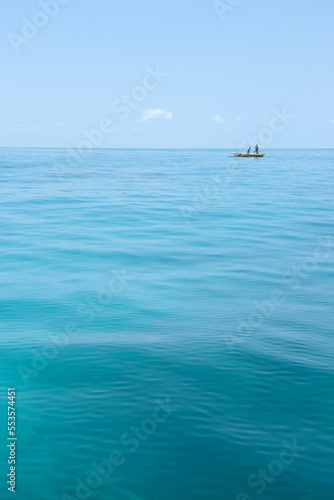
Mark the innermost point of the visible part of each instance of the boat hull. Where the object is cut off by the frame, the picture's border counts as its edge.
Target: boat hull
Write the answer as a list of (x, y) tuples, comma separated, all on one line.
[(244, 155)]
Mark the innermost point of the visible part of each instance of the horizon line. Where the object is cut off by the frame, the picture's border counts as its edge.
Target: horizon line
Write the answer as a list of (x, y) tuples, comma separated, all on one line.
[(148, 148)]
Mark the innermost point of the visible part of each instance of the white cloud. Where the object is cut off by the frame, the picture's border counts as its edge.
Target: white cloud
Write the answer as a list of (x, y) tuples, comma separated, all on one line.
[(27, 128), (237, 118), (36, 127), (331, 120), (148, 114), (217, 119)]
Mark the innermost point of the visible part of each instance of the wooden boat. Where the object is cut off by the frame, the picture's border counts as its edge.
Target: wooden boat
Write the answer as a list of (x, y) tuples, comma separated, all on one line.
[(245, 155)]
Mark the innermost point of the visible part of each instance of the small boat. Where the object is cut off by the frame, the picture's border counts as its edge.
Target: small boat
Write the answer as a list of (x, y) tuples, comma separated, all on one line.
[(245, 155)]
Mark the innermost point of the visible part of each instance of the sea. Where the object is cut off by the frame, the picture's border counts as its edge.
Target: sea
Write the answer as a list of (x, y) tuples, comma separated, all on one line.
[(167, 324)]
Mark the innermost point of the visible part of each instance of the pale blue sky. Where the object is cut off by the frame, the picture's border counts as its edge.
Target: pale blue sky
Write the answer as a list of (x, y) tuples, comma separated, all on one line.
[(238, 67)]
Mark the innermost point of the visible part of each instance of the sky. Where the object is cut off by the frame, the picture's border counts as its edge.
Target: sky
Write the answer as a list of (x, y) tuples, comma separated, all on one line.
[(167, 73)]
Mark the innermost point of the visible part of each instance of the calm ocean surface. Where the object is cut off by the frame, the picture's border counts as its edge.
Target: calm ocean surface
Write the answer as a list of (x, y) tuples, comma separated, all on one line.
[(167, 321)]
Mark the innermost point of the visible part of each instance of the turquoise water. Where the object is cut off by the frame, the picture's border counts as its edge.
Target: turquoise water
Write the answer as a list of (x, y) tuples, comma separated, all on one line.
[(167, 321)]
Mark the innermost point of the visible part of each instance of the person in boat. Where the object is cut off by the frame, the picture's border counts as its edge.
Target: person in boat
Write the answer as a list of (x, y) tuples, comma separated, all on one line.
[(248, 150), (256, 150)]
